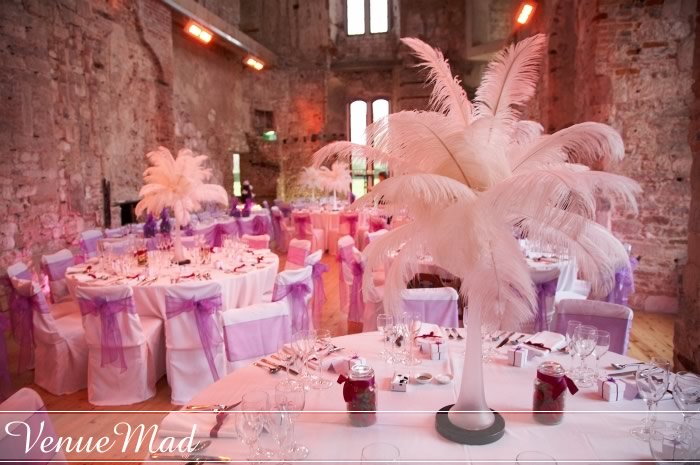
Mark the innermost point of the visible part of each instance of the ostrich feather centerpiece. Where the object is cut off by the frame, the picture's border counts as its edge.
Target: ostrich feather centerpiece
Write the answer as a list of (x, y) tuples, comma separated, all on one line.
[(177, 183), (336, 179), (475, 177), (311, 178)]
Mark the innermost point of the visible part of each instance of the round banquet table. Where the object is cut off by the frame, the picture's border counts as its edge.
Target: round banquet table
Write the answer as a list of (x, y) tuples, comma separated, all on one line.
[(592, 430), (250, 285)]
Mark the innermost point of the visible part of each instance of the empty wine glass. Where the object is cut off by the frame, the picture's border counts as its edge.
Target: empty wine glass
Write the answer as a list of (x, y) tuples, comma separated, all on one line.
[(249, 421), (672, 442), (384, 321), (304, 345), (412, 323), (379, 452), (286, 356), (290, 395), (601, 348), (278, 422), (570, 328), (652, 383), (322, 344), (686, 394), (533, 457), (585, 339)]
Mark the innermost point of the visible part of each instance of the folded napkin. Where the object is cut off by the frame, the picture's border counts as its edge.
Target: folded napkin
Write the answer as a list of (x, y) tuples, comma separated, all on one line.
[(179, 424), (339, 364), (546, 341), (76, 269)]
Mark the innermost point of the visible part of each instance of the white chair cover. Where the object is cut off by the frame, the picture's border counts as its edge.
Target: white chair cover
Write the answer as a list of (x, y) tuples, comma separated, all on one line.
[(438, 305), (54, 266), (187, 365), (60, 350), (545, 282), (117, 232), (318, 289), (257, 242), (89, 242), (281, 231), (352, 295), (114, 246), (19, 270), (616, 319), (142, 344), (26, 406), (297, 253), (302, 228)]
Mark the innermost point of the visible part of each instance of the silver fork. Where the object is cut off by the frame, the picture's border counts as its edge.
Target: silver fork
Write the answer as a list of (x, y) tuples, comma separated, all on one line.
[(272, 370)]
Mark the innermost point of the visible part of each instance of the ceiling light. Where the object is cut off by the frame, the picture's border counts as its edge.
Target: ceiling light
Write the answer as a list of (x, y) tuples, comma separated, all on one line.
[(525, 12), (195, 30), (254, 62)]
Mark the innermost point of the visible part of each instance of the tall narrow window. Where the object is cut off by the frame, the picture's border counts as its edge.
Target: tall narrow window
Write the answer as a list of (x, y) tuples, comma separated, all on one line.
[(360, 14), (356, 17), (380, 109), (378, 16), (364, 175), (236, 174)]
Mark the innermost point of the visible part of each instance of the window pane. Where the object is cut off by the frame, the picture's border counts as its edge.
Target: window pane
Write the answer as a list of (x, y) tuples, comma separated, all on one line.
[(378, 16), (236, 174), (356, 17), (359, 186), (380, 108), (358, 121)]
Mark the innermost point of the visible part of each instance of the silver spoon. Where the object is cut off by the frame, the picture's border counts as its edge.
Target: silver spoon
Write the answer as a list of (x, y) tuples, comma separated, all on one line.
[(620, 366)]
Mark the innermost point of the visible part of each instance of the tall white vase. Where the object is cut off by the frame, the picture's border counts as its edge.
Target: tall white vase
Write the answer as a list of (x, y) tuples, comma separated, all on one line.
[(179, 256), (335, 201), (471, 393)]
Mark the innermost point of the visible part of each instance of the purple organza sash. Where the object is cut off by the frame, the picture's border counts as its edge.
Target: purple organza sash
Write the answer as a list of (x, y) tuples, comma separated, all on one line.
[(297, 255), (204, 310), (624, 283), (221, 229), (112, 344), (277, 227), (299, 310), (165, 221), (150, 228), (351, 222), (544, 291), (5, 382), (259, 225), (248, 203), (376, 224), (302, 224), (57, 270), (234, 204), (319, 291), (22, 308)]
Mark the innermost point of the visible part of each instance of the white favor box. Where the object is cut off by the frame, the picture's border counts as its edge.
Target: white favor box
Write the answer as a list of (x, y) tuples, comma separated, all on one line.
[(518, 356), (611, 389), (400, 382)]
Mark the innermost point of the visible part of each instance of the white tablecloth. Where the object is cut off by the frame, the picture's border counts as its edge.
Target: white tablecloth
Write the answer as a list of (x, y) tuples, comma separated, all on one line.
[(592, 430), (251, 285)]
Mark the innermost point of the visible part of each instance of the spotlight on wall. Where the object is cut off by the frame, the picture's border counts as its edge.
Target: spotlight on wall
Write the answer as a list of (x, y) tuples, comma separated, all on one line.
[(527, 8), (196, 30), (254, 62)]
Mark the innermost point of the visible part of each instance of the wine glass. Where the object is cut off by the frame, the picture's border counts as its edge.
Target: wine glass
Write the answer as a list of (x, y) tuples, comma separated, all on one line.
[(379, 452), (672, 442), (291, 396), (278, 422), (321, 345), (393, 333), (686, 394), (303, 346), (601, 348), (249, 421), (286, 356), (585, 339), (384, 321), (571, 326), (533, 457), (652, 383), (411, 322)]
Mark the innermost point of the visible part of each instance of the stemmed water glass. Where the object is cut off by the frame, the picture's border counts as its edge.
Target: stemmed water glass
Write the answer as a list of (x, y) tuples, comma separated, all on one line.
[(322, 344), (411, 321), (304, 342), (384, 324), (585, 339), (278, 422), (570, 328), (686, 394), (291, 396), (601, 348), (652, 383), (286, 356), (380, 452), (249, 422)]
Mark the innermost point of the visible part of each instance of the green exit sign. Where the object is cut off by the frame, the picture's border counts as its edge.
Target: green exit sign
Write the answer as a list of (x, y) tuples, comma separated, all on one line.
[(269, 136)]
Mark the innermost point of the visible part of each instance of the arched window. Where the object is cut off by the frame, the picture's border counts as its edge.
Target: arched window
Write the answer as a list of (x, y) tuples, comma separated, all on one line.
[(361, 114), (360, 13)]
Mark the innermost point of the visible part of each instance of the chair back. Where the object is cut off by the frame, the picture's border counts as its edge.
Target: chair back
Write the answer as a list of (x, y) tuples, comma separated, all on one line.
[(613, 318), (546, 288), (438, 306), (88, 242), (117, 232), (257, 242), (303, 228), (32, 313), (297, 253), (348, 223), (351, 274), (296, 287), (372, 236), (19, 270), (25, 406), (376, 223), (55, 266), (114, 246), (110, 321)]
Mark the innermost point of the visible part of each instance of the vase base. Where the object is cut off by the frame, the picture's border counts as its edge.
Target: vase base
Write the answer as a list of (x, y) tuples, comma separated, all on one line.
[(183, 262), (465, 436)]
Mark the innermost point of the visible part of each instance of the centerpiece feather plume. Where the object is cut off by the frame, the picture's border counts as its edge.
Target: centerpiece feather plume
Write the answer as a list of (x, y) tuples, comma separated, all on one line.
[(336, 179), (311, 178), (179, 184), (474, 178)]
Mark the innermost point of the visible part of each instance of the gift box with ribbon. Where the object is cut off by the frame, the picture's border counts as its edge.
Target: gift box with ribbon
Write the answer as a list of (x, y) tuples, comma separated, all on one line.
[(611, 389), (518, 356), (432, 345)]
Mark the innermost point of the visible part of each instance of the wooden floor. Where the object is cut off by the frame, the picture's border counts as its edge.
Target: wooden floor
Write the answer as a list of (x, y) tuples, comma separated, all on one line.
[(652, 335)]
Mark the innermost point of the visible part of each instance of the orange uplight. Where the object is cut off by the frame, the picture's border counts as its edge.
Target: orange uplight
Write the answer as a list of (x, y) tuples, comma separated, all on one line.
[(254, 62), (525, 12), (195, 30)]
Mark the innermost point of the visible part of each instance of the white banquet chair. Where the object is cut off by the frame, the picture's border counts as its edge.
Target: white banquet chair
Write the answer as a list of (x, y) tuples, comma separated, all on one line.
[(302, 227), (569, 286), (280, 230), (259, 329), (60, 350), (55, 266), (545, 281), (352, 296), (319, 292), (121, 231), (123, 366), (297, 252), (256, 242), (27, 407), (616, 319), (436, 305), (195, 354), (88, 242)]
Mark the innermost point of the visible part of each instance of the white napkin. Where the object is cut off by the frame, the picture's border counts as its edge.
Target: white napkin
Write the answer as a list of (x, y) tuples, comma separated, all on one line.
[(76, 269), (179, 424), (548, 339)]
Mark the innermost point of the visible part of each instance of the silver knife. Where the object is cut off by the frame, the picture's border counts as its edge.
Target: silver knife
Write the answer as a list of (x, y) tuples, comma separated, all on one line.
[(623, 373), (189, 458)]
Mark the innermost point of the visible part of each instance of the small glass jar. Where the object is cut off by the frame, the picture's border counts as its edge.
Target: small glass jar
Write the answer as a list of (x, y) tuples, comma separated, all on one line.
[(361, 396), (549, 398)]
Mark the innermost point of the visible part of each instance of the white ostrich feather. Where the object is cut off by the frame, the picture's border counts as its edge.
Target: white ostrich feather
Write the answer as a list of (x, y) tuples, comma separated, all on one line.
[(525, 132), (448, 95), (346, 151), (337, 178), (510, 80), (310, 177), (177, 184)]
